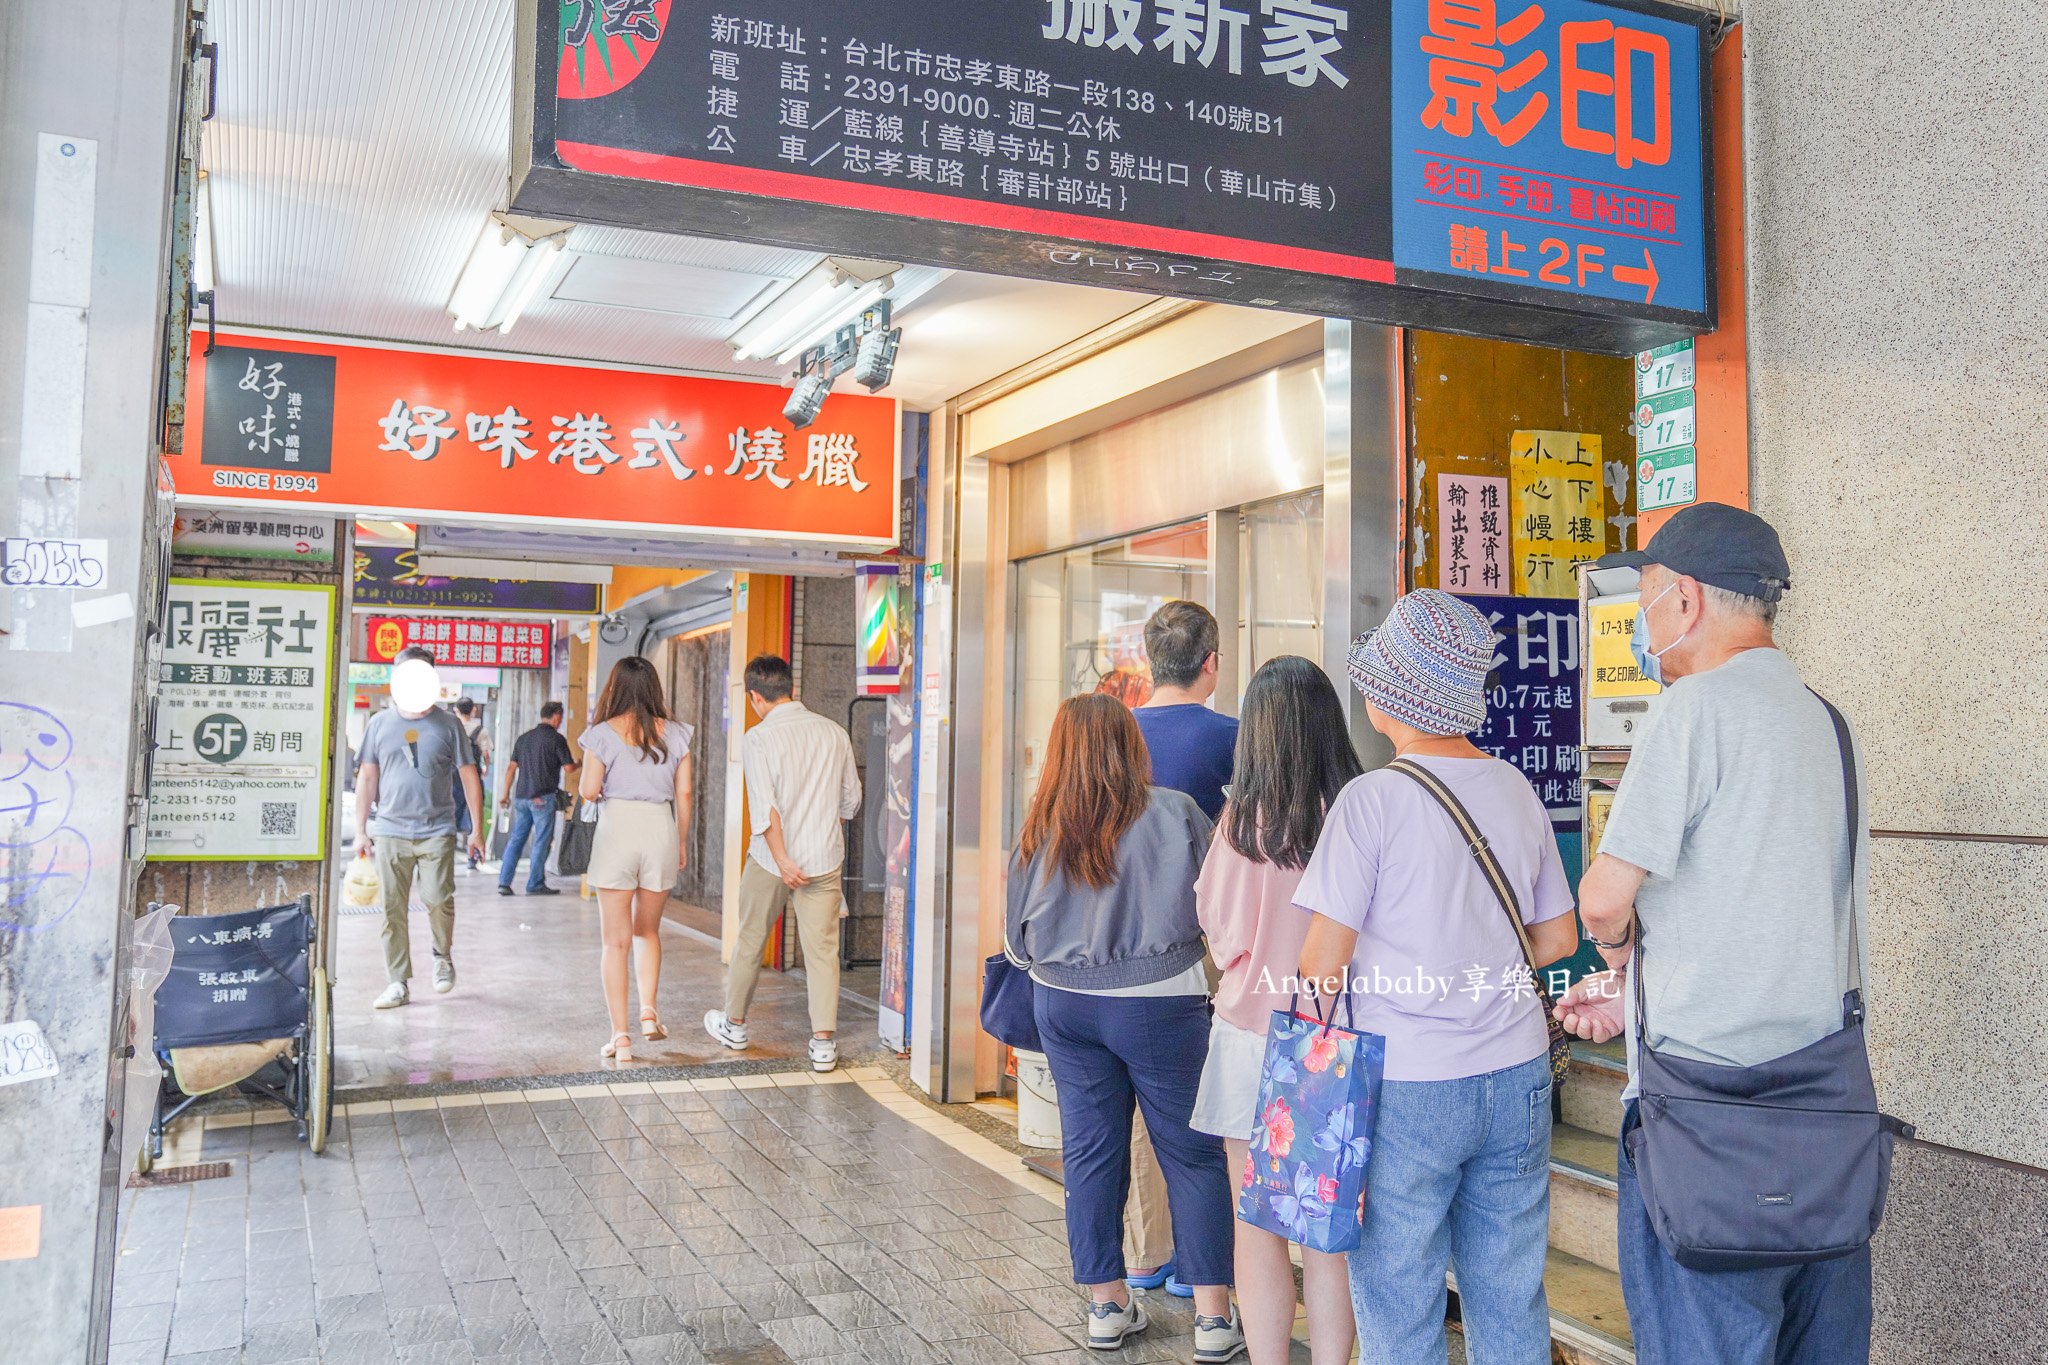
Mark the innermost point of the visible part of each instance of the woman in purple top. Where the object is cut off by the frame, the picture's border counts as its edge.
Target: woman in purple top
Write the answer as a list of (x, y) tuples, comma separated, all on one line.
[(636, 766), (1459, 1174)]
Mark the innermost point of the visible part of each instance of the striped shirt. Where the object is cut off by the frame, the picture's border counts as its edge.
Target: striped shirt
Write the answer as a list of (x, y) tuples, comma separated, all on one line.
[(799, 763)]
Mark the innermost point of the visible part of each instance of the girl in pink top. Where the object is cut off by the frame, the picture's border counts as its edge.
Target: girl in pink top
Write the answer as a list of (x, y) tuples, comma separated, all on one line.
[(1294, 756)]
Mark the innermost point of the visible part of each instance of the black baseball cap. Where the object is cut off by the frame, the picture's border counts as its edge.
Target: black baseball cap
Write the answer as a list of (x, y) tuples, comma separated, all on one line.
[(1718, 544)]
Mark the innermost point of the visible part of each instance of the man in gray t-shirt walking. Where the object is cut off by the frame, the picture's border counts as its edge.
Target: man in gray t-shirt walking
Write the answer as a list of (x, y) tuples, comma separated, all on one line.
[(405, 818), (1728, 850)]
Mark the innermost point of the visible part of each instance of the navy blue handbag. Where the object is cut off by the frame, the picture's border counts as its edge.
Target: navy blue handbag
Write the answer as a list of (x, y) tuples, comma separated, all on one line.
[(1007, 996)]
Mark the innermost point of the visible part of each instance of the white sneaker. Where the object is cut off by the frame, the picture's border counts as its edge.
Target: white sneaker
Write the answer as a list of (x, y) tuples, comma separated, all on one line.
[(395, 994), (444, 974), (1109, 1324), (1218, 1339), (824, 1054), (725, 1030)]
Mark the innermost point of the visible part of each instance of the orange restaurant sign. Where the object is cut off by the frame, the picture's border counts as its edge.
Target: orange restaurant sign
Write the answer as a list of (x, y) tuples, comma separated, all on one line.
[(439, 437)]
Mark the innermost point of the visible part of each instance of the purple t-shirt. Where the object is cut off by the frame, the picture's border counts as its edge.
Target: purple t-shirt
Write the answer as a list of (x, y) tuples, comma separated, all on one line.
[(1439, 970)]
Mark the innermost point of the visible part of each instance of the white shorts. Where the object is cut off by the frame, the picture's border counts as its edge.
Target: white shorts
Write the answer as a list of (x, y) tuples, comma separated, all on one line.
[(636, 847), (1227, 1104)]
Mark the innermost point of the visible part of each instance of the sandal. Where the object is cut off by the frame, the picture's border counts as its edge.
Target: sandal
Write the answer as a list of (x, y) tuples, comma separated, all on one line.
[(651, 1027), (620, 1048)]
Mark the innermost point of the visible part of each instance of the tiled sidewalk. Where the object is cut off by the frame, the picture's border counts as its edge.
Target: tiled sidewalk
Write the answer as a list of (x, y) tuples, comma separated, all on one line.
[(745, 1221)]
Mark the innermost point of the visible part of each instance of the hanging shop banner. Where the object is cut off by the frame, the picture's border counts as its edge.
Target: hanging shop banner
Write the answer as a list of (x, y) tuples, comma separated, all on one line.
[(1534, 173), (240, 768), (1559, 506), (221, 534), (470, 438), (476, 644), (386, 576), (1532, 713)]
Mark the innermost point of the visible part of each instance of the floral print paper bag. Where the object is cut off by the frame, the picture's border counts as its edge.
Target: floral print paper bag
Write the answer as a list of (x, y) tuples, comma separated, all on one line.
[(1318, 1094)]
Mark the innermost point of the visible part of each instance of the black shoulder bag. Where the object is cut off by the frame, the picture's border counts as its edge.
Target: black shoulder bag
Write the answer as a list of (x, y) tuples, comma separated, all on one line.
[(1783, 1163), (1504, 892)]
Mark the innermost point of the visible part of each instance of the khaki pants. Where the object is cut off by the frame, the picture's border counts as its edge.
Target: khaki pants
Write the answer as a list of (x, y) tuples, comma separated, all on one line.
[(762, 898), (399, 862), (1148, 1225)]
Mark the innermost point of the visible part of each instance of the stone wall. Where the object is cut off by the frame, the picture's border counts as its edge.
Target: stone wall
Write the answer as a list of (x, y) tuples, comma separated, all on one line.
[(1896, 381)]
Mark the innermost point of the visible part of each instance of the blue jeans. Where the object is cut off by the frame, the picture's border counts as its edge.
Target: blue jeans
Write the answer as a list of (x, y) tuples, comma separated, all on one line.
[(1815, 1314), (1107, 1053), (1459, 1176), (531, 815)]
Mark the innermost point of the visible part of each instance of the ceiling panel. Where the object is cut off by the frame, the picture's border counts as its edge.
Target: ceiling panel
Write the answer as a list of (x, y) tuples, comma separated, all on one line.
[(359, 147), (622, 282)]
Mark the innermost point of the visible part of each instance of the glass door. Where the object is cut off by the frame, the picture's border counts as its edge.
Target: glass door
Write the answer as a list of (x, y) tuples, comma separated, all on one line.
[(1281, 554), (1080, 627)]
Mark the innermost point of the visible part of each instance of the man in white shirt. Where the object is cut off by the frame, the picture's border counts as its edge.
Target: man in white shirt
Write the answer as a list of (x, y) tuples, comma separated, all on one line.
[(801, 782)]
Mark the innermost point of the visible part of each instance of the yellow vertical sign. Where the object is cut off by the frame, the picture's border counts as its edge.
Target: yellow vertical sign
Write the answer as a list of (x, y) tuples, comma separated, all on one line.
[(1559, 509)]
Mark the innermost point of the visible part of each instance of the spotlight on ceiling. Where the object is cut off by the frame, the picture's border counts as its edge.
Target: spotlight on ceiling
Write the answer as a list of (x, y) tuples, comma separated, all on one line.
[(814, 305), (806, 399), (874, 364), (506, 268), (866, 346)]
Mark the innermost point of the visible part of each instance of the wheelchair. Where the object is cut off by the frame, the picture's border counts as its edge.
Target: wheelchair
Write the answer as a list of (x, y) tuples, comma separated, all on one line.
[(250, 977)]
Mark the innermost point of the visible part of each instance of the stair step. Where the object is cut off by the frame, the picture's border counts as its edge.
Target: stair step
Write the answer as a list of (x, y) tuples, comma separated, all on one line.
[(1591, 1098), (1583, 1154), (1582, 1223), (1611, 1055), (1588, 1320)]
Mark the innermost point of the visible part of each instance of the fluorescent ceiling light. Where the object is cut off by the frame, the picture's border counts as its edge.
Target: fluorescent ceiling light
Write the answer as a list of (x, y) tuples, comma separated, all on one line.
[(821, 296), (840, 315), (506, 267), (519, 570)]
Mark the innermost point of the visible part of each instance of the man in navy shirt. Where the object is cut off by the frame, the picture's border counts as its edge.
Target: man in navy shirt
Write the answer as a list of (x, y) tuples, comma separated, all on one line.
[(1192, 749), (1192, 746)]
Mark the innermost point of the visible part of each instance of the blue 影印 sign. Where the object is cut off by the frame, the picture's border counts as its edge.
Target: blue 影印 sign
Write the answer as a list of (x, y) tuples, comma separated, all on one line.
[(1552, 147)]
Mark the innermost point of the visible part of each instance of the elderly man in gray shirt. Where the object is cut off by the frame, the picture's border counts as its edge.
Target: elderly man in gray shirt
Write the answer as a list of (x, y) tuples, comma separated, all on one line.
[(1728, 850), (405, 819)]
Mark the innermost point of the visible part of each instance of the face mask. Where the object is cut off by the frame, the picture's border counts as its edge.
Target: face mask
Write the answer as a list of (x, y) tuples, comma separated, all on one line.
[(1648, 660)]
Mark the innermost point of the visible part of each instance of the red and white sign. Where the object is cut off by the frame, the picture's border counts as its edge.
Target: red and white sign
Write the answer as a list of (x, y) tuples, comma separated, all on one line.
[(478, 644), (287, 423)]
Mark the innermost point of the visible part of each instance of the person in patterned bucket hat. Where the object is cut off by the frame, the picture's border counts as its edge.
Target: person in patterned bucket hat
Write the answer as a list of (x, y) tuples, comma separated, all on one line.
[(1427, 663), (1404, 918)]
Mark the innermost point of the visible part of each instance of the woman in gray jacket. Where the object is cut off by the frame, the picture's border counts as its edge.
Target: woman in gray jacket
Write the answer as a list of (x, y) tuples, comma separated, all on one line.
[(1102, 913)]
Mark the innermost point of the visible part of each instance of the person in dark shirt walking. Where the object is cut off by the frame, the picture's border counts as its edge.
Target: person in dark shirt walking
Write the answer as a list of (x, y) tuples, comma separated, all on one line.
[(532, 778)]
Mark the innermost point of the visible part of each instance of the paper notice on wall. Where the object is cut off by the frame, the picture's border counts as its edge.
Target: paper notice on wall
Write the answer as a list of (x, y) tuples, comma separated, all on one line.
[(21, 1232), (25, 1054), (1472, 533), (1559, 510)]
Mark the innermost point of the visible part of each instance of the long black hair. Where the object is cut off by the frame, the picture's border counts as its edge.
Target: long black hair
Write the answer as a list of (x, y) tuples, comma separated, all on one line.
[(1294, 755)]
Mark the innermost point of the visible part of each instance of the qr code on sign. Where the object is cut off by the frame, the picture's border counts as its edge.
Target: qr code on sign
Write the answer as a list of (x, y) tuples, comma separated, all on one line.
[(281, 819)]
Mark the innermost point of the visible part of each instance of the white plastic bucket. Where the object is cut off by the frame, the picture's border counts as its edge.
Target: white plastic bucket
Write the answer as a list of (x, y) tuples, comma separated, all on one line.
[(1038, 1103)]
